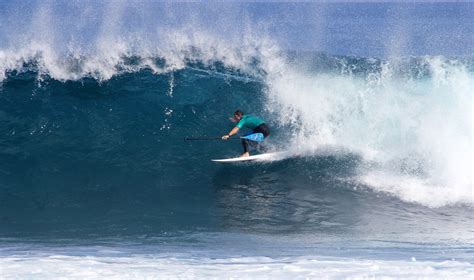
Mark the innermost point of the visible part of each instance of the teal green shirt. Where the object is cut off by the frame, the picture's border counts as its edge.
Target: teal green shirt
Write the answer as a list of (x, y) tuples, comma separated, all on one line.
[(249, 121)]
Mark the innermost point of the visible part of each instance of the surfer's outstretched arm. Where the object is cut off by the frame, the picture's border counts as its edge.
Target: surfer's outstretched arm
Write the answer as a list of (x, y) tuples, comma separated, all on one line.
[(232, 132)]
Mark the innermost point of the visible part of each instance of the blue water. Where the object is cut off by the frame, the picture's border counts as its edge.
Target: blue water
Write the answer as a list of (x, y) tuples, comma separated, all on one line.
[(373, 101)]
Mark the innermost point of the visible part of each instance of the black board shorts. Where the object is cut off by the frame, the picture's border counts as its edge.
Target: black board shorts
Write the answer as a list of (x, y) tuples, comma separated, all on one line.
[(263, 128)]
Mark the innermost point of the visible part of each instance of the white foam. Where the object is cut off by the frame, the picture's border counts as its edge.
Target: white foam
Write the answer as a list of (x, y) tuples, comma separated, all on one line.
[(415, 133), (168, 267), (107, 57)]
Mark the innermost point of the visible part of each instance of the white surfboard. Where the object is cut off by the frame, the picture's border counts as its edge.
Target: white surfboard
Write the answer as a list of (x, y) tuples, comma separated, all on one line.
[(262, 157)]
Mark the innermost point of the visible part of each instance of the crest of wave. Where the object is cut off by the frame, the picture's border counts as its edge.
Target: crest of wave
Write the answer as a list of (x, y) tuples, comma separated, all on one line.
[(169, 50)]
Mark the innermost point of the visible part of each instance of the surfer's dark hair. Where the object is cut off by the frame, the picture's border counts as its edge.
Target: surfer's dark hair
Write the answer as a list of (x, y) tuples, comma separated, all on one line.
[(239, 113)]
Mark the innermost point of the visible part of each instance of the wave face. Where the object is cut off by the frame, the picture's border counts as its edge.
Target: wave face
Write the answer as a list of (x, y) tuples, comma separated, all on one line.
[(93, 121), (84, 151)]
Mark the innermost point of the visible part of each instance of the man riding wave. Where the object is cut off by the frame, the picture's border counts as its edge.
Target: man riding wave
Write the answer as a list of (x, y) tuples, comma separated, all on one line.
[(260, 130)]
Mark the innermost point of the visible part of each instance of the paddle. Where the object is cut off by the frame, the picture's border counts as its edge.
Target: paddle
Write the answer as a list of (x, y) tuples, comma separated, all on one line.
[(257, 137), (206, 138)]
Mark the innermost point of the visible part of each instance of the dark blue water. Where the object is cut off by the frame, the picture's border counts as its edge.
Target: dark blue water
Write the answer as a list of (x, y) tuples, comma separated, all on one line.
[(373, 100), (83, 159), (87, 159)]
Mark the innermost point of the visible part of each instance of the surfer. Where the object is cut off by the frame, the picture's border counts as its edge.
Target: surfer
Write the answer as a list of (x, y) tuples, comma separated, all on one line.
[(259, 129)]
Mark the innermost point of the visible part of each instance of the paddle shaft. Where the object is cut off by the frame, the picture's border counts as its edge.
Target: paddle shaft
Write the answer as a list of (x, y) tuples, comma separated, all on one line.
[(206, 138)]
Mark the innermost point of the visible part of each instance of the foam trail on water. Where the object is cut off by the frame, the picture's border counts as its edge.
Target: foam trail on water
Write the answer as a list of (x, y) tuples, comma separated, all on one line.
[(142, 266)]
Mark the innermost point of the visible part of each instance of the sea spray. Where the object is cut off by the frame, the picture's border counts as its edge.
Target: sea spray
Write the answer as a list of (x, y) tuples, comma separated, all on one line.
[(410, 120)]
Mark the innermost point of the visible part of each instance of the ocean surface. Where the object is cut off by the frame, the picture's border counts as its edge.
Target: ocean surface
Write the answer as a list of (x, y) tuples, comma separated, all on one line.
[(372, 101)]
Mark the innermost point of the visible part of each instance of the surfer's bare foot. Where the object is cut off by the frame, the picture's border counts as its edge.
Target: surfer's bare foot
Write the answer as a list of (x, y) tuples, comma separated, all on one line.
[(245, 155)]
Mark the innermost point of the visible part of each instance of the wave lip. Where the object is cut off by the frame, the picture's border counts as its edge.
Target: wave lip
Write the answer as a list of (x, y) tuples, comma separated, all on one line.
[(111, 56)]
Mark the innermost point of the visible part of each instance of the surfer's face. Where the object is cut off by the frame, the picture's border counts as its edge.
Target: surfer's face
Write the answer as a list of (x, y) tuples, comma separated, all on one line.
[(236, 118)]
